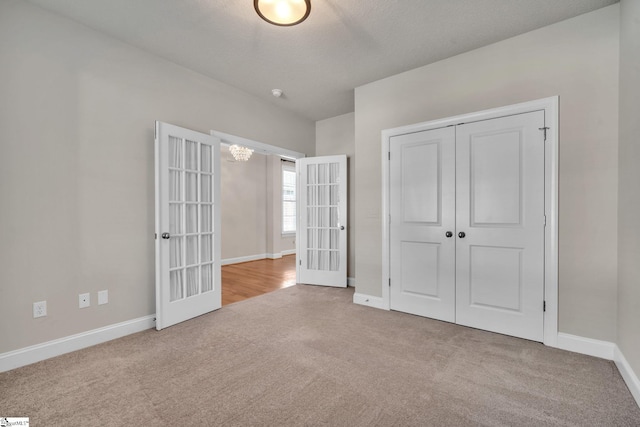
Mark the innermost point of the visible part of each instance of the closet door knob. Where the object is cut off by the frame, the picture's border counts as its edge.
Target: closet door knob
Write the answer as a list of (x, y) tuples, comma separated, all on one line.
[(448, 234), (166, 236), (461, 234)]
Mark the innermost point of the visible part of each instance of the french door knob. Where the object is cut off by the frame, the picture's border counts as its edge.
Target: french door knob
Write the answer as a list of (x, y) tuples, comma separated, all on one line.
[(166, 235), (342, 227), (448, 234), (461, 234)]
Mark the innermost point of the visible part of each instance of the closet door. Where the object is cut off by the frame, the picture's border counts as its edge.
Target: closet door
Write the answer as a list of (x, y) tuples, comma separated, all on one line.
[(500, 225), (422, 223)]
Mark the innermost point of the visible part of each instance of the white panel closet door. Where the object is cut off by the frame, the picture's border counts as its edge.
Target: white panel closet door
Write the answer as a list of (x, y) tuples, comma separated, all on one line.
[(481, 183), (500, 225), (322, 229), (187, 224), (422, 264)]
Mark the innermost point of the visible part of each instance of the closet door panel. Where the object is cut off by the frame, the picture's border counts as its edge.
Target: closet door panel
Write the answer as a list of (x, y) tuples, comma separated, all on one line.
[(422, 179), (500, 211)]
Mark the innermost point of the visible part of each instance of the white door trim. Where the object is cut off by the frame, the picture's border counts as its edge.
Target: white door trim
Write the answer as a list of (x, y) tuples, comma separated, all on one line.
[(550, 108)]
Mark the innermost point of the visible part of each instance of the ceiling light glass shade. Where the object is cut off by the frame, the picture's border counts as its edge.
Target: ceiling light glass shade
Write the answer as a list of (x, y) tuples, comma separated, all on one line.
[(283, 12), (241, 154)]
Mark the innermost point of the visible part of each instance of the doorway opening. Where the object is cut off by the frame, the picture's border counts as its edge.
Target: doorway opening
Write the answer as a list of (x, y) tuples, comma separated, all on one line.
[(257, 242)]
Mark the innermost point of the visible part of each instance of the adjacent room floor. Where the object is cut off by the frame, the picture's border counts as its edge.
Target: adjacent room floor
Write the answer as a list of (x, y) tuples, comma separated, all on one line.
[(253, 278)]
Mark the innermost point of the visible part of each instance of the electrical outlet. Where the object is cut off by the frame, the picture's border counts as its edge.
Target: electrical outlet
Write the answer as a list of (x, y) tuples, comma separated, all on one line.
[(39, 309), (84, 300), (103, 297)]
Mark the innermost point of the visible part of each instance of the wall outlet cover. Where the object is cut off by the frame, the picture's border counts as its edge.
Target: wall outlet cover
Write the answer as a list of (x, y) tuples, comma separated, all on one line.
[(84, 300), (39, 309)]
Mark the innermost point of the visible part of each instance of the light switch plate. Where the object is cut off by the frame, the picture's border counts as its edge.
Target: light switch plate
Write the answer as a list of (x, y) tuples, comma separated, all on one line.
[(103, 297)]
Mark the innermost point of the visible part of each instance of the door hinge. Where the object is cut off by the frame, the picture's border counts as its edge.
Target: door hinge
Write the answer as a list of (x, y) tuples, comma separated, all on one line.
[(544, 129), (389, 281), (544, 306), (155, 236), (300, 262), (544, 219), (389, 155)]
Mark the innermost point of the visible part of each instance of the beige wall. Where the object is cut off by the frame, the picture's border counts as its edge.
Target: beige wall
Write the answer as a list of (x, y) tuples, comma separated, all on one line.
[(629, 185), (243, 193), (337, 136), (251, 200), (77, 112), (576, 59)]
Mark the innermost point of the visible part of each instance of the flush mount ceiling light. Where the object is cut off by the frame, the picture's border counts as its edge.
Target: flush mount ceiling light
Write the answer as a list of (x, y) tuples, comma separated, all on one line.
[(241, 154), (283, 12)]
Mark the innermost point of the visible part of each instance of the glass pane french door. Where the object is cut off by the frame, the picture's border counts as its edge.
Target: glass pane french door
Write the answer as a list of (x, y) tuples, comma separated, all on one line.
[(322, 236), (190, 218), (188, 282)]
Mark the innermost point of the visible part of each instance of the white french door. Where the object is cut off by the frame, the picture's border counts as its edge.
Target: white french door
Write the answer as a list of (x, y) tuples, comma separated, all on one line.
[(467, 224), (187, 224), (321, 237)]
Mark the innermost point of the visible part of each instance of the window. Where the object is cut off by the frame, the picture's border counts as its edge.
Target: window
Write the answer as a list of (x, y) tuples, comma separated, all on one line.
[(288, 199)]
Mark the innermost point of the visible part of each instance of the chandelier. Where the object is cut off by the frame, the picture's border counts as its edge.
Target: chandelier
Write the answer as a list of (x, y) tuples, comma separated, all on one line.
[(283, 13), (241, 154)]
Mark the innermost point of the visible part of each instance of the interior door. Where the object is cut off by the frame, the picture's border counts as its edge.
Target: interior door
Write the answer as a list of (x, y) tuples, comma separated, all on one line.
[(321, 236), (422, 264), (187, 224), (500, 225)]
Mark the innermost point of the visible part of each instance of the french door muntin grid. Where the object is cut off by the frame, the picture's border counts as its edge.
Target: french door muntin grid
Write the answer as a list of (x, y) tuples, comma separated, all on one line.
[(323, 227), (190, 218)]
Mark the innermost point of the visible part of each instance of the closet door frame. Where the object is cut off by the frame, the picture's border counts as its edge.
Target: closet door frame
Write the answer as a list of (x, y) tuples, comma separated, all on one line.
[(550, 108)]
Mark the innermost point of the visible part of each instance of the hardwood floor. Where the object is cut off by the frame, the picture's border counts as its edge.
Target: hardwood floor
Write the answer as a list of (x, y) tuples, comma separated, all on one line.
[(253, 278)]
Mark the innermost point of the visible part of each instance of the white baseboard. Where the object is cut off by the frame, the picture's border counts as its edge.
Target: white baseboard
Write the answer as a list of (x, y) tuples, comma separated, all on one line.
[(369, 301), (36, 353), (605, 350), (351, 282), (248, 258), (243, 259), (629, 376), (588, 346)]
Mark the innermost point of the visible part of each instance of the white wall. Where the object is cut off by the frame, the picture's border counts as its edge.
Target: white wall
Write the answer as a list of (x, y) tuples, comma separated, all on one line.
[(337, 136), (576, 59), (77, 112), (629, 185)]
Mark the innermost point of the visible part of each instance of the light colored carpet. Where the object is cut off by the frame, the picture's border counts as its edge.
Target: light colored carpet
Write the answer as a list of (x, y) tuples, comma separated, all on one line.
[(308, 356)]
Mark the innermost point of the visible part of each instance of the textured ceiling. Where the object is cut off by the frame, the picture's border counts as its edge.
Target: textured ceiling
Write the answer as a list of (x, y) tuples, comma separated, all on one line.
[(342, 45)]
